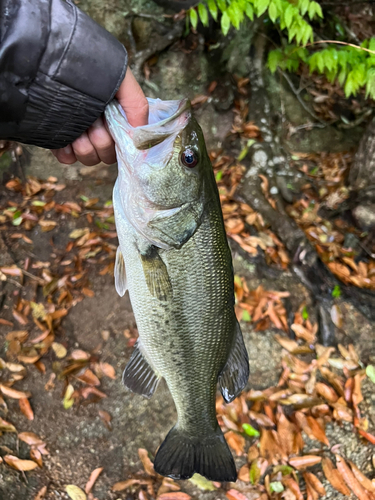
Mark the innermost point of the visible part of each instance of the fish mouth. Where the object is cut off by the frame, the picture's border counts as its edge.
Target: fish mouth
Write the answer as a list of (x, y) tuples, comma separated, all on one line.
[(166, 118)]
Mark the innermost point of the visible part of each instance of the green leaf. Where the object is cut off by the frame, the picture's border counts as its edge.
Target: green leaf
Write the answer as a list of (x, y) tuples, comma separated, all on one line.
[(250, 431), (222, 5), (38, 203), (276, 487), (370, 372), (219, 176), (203, 14), (225, 23), (274, 57), (272, 12), (305, 314), (289, 15), (193, 18), (249, 11), (262, 6), (202, 483), (254, 472), (17, 221), (68, 401), (318, 9), (212, 8), (243, 153), (303, 6), (336, 292), (246, 317)]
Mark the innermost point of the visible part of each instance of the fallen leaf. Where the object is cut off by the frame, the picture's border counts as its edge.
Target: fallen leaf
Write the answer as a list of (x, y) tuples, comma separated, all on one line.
[(235, 495), (75, 492), (93, 477), (88, 377), (106, 418), (30, 438), (315, 483), (326, 392), (350, 479), (108, 370), (317, 430), (365, 481), (13, 393), (47, 225), (124, 485), (26, 409), (68, 401), (174, 495), (41, 493), (336, 316), (59, 350), (304, 461), (18, 464), (235, 441), (6, 426), (343, 363), (146, 462), (202, 483)]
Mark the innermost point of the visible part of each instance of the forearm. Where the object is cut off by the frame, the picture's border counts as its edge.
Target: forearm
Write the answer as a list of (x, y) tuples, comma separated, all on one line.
[(58, 70)]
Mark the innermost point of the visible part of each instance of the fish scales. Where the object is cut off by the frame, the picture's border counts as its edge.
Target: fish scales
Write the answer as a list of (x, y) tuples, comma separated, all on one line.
[(182, 295)]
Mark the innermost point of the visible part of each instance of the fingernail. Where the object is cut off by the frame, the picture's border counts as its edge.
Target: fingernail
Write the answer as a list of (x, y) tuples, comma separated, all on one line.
[(68, 150)]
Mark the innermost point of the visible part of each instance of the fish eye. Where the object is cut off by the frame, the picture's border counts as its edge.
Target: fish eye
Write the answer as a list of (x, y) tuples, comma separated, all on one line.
[(189, 158)]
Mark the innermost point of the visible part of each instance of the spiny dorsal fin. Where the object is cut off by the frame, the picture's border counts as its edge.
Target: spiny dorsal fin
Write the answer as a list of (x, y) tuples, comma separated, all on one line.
[(156, 275), (139, 376), (120, 274), (235, 373)]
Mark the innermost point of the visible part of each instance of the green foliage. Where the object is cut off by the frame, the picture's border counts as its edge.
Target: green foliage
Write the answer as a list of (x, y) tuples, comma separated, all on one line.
[(352, 67), (294, 18), (336, 292)]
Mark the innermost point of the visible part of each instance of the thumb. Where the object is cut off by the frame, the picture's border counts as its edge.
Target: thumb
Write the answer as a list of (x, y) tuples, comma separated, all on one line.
[(132, 100)]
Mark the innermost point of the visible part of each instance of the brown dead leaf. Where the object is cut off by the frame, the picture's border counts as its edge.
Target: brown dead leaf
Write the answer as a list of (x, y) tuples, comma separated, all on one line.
[(174, 495), (303, 333), (106, 418), (146, 462), (301, 463), (47, 225), (41, 493), (365, 481), (30, 438), (124, 485), (6, 426), (26, 409), (13, 393), (36, 456), (107, 370), (315, 483), (350, 479), (88, 377), (293, 486), (236, 442), (18, 464), (93, 477), (326, 392), (235, 495)]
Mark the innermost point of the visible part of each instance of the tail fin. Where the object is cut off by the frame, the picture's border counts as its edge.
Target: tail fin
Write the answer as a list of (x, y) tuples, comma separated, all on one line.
[(180, 456)]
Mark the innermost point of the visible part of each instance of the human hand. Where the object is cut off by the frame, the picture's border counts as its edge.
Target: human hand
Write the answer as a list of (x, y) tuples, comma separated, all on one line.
[(96, 144)]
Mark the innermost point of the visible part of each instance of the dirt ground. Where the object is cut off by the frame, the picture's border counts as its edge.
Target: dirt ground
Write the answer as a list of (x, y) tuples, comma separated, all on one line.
[(77, 439)]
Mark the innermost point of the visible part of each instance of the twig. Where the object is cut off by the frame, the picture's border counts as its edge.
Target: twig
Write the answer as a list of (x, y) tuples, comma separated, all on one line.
[(341, 43), (300, 100), (40, 280)]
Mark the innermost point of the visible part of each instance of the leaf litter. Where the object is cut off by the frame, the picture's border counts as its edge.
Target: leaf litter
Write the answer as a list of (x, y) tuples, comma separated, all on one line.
[(267, 429)]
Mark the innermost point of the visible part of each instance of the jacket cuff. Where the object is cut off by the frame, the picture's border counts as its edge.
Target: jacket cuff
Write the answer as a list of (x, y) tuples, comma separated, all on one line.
[(79, 73)]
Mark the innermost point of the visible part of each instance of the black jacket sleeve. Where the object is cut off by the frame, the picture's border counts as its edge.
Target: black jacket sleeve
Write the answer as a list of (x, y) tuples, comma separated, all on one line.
[(58, 71)]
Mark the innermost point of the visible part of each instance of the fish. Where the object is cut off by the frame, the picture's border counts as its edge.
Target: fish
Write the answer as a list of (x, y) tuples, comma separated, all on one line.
[(174, 259)]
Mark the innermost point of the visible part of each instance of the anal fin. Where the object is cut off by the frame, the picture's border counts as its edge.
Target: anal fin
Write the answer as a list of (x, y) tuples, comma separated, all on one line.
[(139, 376), (120, 273), (235, 373), (156, 274)]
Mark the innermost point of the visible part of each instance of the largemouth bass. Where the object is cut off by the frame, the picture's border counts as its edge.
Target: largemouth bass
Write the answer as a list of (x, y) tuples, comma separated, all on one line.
[(174, 259)]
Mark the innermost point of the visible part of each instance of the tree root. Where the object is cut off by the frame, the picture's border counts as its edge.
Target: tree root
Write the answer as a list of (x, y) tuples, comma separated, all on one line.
[(268, 158)]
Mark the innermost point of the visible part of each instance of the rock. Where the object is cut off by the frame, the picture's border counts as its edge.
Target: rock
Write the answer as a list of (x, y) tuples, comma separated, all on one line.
[(365, 216)]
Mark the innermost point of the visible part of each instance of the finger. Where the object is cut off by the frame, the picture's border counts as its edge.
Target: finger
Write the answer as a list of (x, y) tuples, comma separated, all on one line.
[(85, 151), (133, 100), (65, 155), (102, 142)]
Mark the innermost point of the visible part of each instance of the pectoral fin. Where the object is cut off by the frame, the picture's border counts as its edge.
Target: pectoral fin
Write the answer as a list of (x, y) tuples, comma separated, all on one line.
[(139, 376), (120, 274), (235, 374), (156, 274)]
